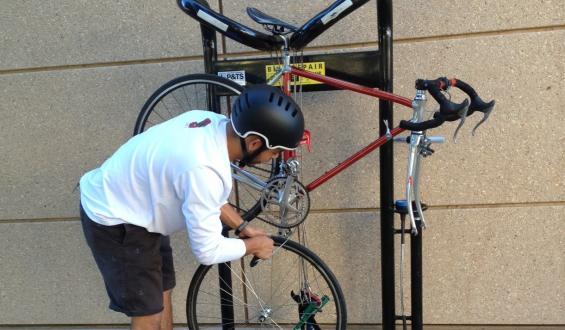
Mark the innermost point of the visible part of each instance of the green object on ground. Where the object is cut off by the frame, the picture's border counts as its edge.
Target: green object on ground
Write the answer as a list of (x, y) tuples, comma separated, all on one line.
[(310, 311)]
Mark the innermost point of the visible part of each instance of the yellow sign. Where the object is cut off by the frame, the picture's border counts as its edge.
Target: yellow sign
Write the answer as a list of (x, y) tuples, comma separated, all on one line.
[(315, 67)]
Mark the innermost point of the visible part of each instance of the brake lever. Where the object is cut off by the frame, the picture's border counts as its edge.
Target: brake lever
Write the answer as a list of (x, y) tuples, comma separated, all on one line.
[(486, 113), (419, 147), (463, 113), (477, 104)]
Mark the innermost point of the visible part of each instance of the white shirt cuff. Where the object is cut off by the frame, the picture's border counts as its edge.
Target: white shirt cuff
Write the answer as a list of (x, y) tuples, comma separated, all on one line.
[(230, 249)]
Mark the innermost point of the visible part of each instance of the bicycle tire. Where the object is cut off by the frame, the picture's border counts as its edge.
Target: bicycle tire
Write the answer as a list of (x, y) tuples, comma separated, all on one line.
[(203, 304), (194, 92)]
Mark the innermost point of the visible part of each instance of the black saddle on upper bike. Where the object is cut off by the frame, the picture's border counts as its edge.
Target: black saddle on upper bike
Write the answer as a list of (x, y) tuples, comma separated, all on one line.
[(301, 36), (275, 25)]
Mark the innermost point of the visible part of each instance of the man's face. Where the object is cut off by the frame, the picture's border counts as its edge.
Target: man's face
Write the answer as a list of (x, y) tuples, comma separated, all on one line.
[(254, 143), (266, 156)]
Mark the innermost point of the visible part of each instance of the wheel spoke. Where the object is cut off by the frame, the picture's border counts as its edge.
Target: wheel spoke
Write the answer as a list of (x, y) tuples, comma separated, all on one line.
[(290, 270)]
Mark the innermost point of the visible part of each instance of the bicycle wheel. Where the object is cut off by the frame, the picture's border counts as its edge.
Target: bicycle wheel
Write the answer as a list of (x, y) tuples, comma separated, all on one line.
[(273, 294), (204, 92)]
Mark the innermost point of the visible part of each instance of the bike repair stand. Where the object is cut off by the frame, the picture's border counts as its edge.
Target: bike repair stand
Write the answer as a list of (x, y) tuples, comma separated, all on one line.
[(368, 68), (401, 207), (388, 206)]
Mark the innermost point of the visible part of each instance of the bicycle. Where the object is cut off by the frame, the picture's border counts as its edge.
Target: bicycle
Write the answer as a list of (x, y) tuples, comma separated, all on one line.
[(274, 193)]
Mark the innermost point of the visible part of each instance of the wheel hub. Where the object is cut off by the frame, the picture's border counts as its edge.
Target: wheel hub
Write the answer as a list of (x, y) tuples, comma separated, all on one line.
[(265, 314)]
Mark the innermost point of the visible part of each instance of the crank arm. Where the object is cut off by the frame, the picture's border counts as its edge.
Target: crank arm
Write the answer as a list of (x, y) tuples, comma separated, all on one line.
[(283, 201)]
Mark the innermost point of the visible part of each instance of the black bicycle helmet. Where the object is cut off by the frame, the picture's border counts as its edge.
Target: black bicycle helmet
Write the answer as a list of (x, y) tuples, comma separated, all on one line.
[(267, 112)]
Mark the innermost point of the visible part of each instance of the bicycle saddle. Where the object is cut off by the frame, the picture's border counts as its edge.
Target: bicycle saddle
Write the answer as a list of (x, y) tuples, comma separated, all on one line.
[(278, 26)]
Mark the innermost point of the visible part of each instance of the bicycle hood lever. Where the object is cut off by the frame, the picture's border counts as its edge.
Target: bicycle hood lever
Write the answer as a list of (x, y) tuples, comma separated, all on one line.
[(477, 104), (486, 113), (463, 113)]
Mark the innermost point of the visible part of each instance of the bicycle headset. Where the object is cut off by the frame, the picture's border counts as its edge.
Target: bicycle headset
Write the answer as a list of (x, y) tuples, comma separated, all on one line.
[(266, 111)]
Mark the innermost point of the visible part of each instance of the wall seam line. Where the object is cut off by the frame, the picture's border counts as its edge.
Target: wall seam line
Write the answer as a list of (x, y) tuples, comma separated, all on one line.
[(342, 210), (308, 49)]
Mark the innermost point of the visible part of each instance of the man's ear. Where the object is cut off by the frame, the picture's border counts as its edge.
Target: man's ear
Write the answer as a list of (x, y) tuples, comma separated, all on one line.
[(253, 143)]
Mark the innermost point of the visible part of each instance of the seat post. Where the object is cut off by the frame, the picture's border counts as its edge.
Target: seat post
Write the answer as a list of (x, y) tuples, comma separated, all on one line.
[(286, 65)]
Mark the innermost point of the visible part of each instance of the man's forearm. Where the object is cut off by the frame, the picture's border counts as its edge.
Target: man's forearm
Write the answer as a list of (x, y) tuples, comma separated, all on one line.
[(230, 217)]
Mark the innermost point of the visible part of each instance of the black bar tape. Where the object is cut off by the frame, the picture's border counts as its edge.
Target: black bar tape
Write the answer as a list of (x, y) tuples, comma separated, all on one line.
[(429, 124), (435, 87), (477, 104), (450, 117), (465, 88), (442, 83), (446, 107), (241, 227)]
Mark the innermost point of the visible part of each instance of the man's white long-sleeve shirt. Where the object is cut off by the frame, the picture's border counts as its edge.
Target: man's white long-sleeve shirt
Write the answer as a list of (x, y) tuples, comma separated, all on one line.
[(174, 176)]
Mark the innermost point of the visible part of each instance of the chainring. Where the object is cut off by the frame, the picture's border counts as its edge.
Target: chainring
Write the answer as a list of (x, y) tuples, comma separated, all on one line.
[(284, 207)]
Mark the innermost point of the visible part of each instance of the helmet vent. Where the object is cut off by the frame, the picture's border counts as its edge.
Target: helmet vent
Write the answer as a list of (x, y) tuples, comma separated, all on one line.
[(287, 106), (271, 97), (280, 101), (294, 113)]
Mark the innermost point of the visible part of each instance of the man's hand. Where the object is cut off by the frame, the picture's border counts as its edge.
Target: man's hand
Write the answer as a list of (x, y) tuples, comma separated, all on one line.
[(259, 246), (256, 240), (251, 231)]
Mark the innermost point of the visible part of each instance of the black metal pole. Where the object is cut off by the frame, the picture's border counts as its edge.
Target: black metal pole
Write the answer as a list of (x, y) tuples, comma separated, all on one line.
[(209, 48), (416, 277), (226, 296), (210, 53), (384, 14)]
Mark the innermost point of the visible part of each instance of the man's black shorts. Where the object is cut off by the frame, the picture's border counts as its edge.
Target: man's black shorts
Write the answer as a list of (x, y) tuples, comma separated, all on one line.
[(137, 266)]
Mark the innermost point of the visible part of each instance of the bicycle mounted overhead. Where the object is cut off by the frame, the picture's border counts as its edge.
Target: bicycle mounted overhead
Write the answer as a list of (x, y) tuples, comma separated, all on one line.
[(299, 36), (288, 37)]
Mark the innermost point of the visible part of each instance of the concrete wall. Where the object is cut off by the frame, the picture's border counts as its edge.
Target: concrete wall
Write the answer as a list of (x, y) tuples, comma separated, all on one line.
[(74, 74)]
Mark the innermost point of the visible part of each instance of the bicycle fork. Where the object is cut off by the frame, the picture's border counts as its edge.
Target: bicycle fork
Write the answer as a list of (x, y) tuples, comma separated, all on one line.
[(419, 147)]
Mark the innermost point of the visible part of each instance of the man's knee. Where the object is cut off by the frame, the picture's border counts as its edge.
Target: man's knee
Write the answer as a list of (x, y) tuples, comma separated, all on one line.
[(147, 322)]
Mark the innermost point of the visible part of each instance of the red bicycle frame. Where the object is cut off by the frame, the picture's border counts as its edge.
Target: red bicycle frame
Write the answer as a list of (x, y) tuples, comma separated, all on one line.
[(345, 85)]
